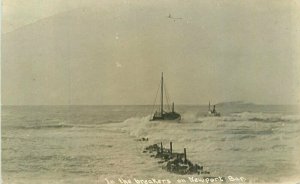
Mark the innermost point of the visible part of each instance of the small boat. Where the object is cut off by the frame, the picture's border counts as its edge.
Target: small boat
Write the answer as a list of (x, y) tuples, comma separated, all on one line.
[(212, 112), (162, 114)]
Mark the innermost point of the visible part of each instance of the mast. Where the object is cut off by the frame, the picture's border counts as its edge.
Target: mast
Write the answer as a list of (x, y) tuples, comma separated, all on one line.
[(209, 105), (173, 107), (162, 95)]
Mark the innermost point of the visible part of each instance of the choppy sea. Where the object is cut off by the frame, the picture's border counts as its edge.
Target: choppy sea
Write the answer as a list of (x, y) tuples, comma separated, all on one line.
[(89, 144)]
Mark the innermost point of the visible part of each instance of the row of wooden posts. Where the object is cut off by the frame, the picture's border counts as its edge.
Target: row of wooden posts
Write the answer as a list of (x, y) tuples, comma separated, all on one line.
[(175, 162), (171, 151)]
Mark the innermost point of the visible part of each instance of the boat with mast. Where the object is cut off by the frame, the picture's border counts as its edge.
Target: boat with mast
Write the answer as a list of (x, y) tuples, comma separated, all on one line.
[(213, 112), (161, 114)]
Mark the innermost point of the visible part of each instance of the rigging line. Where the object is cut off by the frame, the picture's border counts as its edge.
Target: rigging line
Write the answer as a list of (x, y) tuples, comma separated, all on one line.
[(155, 99), (167, 97), (169, 102)]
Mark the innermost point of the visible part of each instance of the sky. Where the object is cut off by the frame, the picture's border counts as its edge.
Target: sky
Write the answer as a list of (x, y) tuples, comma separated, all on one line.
[(92, 52)]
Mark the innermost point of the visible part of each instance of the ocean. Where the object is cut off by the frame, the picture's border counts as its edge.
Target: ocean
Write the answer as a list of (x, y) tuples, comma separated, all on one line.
[(99, 144)]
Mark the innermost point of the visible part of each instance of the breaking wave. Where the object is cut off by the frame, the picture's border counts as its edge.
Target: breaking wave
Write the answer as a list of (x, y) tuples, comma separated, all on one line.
[(48, 126), (193, 123), (262, 117)]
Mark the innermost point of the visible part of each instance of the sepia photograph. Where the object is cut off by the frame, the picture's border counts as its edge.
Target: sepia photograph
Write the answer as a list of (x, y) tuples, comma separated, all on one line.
[(150, 92)]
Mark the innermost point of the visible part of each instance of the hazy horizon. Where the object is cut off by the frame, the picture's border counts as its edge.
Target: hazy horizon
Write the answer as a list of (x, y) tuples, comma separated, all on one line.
[(219, 103), (112, 53)]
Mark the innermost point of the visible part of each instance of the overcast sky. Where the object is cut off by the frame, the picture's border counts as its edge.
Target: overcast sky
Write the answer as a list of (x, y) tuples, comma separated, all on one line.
[(57, 52)]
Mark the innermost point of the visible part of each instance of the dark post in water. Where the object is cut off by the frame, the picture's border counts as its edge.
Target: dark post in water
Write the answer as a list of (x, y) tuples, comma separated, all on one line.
[(184, 155), (161, 148), (171, 149)]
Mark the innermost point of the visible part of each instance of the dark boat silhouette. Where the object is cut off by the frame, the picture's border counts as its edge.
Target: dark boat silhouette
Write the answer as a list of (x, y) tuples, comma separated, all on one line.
[(212, 112), (162, 114)]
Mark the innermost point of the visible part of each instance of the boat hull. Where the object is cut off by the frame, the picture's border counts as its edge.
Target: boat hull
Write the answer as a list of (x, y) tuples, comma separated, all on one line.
[(170, 116), (213, 114)]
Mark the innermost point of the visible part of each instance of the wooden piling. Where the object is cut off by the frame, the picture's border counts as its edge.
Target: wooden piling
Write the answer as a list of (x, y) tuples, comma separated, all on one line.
[(184, 155), (171, 150), (179, 165)]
